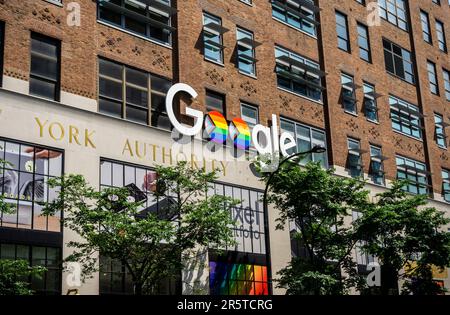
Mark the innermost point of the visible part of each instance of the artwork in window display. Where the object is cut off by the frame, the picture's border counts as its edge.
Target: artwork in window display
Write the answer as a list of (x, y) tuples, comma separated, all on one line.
[(237, 279), (141, 182), (249, 216), (23, 182)]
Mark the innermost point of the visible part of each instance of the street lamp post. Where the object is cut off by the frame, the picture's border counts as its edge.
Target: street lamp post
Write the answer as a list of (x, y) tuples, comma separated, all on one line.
[(315, 149)]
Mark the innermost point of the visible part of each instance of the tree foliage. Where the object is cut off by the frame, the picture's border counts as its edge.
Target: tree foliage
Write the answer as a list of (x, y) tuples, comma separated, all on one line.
[(15, 275), (318, 202), (150, 246), (408, 238)]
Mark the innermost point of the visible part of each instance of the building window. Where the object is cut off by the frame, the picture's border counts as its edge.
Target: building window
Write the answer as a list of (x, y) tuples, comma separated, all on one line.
[(395, 12), (299, 14), (49, 257), (45, 67), (348, 94), (376, 170), (132, 94), (440, 32), (298, 74), (364, 43), (249, 231), (446, 185), (246, 51), (24, 184), (405, 117), (398, 61), (438, 2), (152, 21), (362, 258), (342, 31), (439, 131), (114, 278), (432, 78), (242, 269), (370, 102), (354, 158), (446, 75), (306, 138), (215, 102), (213, 38), (426, 29), (415, 173)]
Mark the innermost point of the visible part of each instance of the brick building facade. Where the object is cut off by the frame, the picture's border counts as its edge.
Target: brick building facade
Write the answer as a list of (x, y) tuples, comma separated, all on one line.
[(346, 74)]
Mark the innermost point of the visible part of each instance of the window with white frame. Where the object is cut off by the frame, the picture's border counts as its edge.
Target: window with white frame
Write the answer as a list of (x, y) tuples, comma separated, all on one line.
[(395, 12), (213, 38), (446, 75), (439, 131), (354, 158), (300, 14), (342, 31), (298, 74), (405, 117), (432, 77), (348, 93), (440, 32), (246, 51), (364, 42), (307, 138), (149, 19), (370, 102), (426, 29), (415, 173), (376, 170), (446, 184)]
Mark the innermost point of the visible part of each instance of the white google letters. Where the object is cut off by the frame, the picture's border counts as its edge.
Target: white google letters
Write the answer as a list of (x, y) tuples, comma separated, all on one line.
[(270, 143)]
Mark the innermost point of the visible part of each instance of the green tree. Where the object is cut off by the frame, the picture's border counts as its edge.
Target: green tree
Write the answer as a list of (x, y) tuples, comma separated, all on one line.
[(15, 275), (318, 202), (408, 238), (150, 246)]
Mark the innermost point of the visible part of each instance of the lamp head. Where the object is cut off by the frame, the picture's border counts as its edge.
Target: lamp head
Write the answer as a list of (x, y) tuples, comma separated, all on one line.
[(318, 149)]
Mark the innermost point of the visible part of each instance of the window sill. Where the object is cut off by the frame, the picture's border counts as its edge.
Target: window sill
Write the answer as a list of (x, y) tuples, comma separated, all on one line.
[(57, 3), (248, 4), (442, 148), (299, 95), (400, 78), (351, 113), (373, 121), (134, 34), (215, 62), (248, 75), (406, 135), (293, 27)]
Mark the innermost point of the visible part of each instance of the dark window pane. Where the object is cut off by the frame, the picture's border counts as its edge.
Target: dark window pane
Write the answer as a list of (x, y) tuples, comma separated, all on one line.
[(42, 88), (110, 69), (110, 108), (111, 89), (137, 114)]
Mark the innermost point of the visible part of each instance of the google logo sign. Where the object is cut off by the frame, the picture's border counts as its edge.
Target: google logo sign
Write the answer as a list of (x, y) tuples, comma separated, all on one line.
[(218, 129)]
